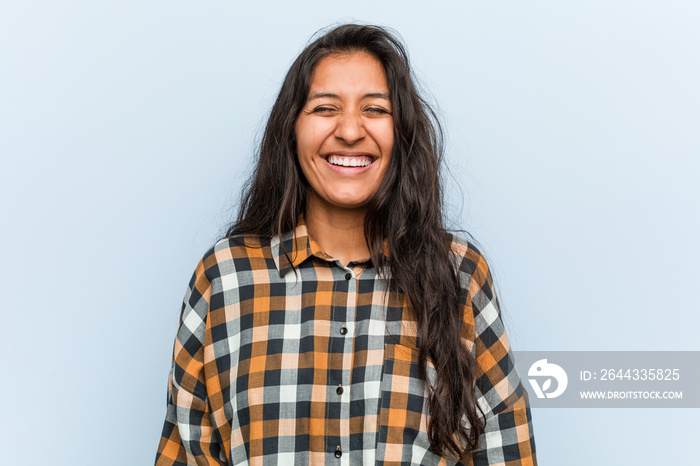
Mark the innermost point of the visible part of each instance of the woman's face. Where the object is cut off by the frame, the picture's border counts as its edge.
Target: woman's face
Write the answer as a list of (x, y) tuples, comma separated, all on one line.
[(345, 132)]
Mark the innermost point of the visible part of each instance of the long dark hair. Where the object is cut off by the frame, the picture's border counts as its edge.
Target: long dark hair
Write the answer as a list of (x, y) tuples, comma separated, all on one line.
[(407, 211)]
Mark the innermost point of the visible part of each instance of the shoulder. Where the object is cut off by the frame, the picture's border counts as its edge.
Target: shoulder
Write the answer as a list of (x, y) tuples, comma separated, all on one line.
[(472, 267), (467, 255), (243, 252)]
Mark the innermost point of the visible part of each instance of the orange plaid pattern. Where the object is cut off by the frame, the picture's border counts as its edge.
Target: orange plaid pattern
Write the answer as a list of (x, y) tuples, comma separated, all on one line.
[(273, 366)]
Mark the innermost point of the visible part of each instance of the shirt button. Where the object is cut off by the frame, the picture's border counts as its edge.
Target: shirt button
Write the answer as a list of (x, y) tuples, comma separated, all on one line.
[(339, 390), (343, 330), (338, 452), (348, 276)]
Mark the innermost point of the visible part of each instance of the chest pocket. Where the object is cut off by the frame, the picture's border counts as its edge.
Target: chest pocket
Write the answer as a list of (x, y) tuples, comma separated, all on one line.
[(403, 418)]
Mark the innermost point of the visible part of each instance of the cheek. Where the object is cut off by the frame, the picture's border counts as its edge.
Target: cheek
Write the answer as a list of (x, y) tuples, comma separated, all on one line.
[(311, 134), (384, 135), (389, 144), (302, 136)]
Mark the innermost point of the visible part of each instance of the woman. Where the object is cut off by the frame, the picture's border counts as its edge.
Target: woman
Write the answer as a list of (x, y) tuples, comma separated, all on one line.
[(338, 322)]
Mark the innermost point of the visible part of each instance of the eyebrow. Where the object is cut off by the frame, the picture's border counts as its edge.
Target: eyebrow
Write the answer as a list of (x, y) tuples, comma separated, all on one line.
[(372, 95)]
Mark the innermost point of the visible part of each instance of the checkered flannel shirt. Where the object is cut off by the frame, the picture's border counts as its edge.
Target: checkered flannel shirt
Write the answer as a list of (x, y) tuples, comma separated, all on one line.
[(271, 367)]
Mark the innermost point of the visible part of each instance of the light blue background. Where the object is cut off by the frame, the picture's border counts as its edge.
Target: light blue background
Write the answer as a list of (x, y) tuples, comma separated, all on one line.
[(127, 128)]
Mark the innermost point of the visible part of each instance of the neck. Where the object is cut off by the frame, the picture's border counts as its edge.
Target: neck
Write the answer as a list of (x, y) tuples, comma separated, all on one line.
[(339, 232)]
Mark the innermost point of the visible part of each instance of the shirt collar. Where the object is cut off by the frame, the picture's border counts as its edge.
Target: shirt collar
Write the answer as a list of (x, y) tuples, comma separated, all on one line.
[(299, 247)]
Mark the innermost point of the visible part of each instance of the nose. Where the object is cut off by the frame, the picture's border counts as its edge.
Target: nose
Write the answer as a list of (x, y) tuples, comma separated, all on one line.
[(350, 128)]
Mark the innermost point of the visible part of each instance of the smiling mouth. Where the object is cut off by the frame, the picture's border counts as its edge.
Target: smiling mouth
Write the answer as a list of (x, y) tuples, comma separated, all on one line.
[(350, 161)]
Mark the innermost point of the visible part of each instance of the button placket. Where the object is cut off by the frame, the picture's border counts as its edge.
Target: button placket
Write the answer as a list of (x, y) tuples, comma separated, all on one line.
[(342, 389)]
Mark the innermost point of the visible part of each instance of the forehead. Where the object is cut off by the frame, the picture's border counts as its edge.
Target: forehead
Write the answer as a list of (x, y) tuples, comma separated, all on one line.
[(349, 72)]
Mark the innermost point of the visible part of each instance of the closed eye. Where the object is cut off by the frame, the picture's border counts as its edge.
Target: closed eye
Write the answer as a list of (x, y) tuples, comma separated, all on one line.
[(323, 110), (378, 110)]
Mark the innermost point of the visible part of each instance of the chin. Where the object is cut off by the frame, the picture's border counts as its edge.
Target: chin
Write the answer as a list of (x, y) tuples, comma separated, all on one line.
[(353, 200), (351, 205)]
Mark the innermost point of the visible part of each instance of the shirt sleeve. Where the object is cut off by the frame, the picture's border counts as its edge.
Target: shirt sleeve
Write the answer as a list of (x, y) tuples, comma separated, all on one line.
[(508, 437), (189, 437)]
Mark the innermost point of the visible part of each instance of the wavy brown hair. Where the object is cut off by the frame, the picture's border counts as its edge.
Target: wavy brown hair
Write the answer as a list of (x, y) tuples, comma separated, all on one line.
[(407, 211)]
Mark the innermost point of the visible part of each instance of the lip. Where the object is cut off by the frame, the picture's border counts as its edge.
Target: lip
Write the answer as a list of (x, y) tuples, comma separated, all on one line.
[(325, 155), (348, 170)]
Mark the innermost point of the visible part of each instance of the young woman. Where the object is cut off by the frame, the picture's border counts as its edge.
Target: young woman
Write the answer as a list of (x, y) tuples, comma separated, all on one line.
[(339, 322)]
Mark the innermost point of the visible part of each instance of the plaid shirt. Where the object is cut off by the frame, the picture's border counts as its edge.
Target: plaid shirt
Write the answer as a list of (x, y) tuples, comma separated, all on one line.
[(274, 368)]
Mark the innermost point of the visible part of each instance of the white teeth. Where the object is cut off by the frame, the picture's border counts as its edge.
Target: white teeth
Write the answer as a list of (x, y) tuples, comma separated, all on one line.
[(349, 161)]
